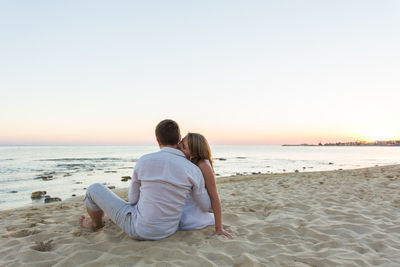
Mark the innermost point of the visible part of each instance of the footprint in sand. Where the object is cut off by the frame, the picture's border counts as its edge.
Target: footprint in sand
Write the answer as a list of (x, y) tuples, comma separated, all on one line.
[(76, 233), (63, 207), (11, 228), (43, 246), (22, 233)]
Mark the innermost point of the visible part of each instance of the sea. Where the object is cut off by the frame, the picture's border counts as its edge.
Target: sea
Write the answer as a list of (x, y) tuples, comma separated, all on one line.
[(66, 171)]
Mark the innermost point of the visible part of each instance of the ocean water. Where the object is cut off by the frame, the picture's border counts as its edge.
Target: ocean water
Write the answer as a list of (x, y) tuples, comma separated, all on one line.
[(66, 170)]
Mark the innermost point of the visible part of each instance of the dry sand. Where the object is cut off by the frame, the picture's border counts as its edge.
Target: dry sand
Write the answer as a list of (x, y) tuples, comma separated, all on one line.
[(349, 217)]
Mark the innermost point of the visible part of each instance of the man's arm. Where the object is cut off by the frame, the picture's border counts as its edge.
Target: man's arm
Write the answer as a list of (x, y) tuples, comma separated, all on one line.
[(134, 192)]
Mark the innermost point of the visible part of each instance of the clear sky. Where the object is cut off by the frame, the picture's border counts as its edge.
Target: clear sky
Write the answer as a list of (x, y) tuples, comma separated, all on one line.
[(240, 72)]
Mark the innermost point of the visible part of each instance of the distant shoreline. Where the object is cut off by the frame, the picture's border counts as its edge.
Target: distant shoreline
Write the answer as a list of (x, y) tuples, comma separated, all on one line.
[(357, 143), (339, 145)]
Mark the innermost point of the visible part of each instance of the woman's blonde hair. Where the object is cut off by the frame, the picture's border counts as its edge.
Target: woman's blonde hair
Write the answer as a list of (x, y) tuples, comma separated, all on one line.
[(199, 148)]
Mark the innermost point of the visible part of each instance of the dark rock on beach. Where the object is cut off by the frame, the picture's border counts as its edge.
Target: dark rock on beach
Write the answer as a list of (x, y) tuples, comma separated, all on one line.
[(38, 194), (52, 199), (125, 178), (111, 187)]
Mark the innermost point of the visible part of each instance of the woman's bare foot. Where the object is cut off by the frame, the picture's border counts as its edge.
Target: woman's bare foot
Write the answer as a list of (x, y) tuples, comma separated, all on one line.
[(87, 223), (106, 219)]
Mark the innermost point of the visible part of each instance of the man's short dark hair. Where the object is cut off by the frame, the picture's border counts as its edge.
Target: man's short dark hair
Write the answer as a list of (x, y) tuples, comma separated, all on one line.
[(168, 133)]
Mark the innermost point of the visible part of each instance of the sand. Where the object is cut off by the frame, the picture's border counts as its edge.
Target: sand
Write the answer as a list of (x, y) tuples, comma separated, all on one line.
[(349, 217)]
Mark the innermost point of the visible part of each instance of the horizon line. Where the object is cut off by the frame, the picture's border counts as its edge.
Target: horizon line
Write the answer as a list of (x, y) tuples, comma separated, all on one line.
[(136, 144)]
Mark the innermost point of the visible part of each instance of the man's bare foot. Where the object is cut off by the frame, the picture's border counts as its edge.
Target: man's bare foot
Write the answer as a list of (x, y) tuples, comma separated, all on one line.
[(87, 223)]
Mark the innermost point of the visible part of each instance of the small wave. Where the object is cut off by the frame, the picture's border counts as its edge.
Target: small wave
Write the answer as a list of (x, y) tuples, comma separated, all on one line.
[(82, 159), (1, 160), (10, 171), (5, 181), (75, 165)]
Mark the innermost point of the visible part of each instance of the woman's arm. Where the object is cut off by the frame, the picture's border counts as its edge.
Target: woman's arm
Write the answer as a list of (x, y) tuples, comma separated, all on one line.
[(212, 190)]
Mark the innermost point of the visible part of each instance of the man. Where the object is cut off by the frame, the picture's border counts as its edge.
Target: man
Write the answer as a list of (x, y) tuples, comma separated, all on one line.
[(161, 183)]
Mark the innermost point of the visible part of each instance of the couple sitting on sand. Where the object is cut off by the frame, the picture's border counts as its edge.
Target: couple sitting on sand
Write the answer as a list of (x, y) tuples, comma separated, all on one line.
[(172, 189)]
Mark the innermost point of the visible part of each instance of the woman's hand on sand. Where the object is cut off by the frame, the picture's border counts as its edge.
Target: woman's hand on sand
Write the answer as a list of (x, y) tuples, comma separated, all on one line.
[(223, 232)]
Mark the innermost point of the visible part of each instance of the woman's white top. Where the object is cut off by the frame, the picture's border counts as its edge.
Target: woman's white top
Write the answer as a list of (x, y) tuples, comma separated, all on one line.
[(193, 218)]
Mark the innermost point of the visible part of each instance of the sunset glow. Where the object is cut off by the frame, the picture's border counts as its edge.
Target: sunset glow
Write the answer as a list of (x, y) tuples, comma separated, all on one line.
[(381, 135), (262, 73)]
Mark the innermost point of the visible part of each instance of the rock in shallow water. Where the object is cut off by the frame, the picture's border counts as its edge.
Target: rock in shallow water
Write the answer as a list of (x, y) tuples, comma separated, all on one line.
[(46, 178), (38, 194)]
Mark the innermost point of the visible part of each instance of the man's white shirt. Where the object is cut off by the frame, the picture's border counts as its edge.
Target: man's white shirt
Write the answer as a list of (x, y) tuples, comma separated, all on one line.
[(161, 183)]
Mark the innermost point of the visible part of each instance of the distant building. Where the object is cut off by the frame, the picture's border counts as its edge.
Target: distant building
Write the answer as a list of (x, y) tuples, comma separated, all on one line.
[(357, 143)]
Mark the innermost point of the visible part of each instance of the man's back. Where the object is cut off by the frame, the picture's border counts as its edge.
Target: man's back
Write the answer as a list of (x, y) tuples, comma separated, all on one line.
[(161, 183)]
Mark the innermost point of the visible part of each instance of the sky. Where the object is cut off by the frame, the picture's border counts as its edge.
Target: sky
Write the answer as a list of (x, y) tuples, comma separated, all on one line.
[(239, 72)]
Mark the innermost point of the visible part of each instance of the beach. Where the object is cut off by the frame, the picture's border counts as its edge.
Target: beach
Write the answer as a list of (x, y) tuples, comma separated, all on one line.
[(329, 218)]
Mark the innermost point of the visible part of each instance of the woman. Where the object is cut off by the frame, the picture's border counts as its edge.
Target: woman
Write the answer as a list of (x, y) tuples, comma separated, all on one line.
[(197, 150)]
